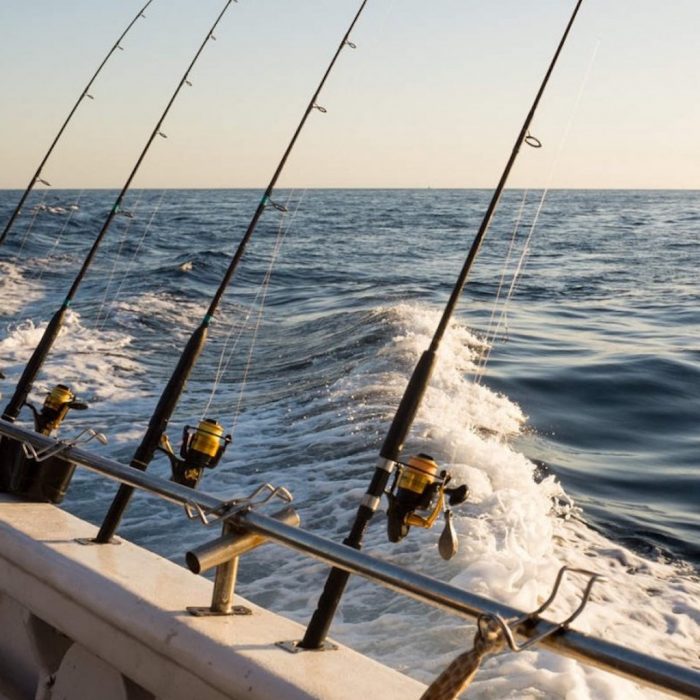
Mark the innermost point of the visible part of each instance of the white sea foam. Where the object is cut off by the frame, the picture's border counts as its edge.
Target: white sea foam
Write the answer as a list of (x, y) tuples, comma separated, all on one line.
[(97, 365), (176, 314), (169, 309), (512, 540), (16, 290)]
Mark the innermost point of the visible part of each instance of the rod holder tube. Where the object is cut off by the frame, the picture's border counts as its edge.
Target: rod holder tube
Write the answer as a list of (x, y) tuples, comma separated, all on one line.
[(233, 544), (225, 581)]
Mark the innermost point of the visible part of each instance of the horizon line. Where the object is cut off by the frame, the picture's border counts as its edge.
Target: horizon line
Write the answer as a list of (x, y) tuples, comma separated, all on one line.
[(369, 188)]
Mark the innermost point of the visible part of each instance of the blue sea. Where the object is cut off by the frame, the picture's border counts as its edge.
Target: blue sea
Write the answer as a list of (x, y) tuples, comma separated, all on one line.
[(566, 396)]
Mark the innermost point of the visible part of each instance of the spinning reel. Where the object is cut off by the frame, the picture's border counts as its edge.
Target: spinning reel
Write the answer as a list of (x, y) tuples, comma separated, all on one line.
[(202, 448), (417, 496), (54, 409), (44, 479)]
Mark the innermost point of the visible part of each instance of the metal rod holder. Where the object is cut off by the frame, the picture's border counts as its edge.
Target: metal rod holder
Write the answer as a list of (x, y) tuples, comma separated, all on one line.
[(224, 554), (224, 585), (509, 628)]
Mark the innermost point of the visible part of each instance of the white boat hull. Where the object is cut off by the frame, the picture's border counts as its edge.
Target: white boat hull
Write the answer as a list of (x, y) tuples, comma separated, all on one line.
[(84, 621)]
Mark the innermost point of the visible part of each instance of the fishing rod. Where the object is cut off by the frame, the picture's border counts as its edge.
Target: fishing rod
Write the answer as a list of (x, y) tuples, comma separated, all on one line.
[(207, 441), (679, 681), (40, 353), (85, 93), (417, 479)]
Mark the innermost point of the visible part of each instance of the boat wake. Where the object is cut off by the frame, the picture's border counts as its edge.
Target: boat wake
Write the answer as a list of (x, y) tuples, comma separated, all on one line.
[(96, 364), (16, 290), (516, 530)]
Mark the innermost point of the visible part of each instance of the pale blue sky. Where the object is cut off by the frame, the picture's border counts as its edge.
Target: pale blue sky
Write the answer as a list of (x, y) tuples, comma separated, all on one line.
[(433, 96)]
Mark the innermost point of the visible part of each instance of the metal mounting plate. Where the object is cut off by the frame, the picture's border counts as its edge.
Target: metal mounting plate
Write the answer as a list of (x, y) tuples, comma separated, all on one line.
[(92, 541), (208, 612), (293, 646)]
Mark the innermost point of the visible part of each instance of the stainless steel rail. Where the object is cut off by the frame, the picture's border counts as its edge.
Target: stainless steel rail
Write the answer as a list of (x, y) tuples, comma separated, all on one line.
[(662, 675)]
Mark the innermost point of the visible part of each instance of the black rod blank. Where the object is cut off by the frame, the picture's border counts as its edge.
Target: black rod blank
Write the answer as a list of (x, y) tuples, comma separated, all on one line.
[(51, 333), (176, 384), (413, 394), (85, 93)]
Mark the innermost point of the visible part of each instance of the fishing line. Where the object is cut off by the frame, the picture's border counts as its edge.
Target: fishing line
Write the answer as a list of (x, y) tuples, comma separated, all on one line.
[(220, 369), (498, 313), (480, 370), (522, 261), (172, 391), (227, 350), (281, 235), (84, 94), (110, 311), (51, 252), (57, 242), (53, 328), (258, 321), (126, 226), (36, 209), (490, 332), (15, 260), (117, 257)]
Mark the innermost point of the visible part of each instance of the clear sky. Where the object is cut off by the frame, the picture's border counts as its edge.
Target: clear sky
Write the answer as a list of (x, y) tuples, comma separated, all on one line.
[(433, 96)]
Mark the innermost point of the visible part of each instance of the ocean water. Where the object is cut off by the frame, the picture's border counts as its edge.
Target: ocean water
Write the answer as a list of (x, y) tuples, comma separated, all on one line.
[(566, 394)]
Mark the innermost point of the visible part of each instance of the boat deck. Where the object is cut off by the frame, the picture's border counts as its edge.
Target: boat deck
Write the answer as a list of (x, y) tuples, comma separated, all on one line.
[(111, 622)]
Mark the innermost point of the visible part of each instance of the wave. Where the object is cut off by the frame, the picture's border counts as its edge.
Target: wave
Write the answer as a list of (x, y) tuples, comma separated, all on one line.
[(97, 365), (17, 291), (515, 531), (327, 374)]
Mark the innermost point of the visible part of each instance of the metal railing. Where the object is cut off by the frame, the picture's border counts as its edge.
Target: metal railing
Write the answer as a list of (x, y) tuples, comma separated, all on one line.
[(241, 514)]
